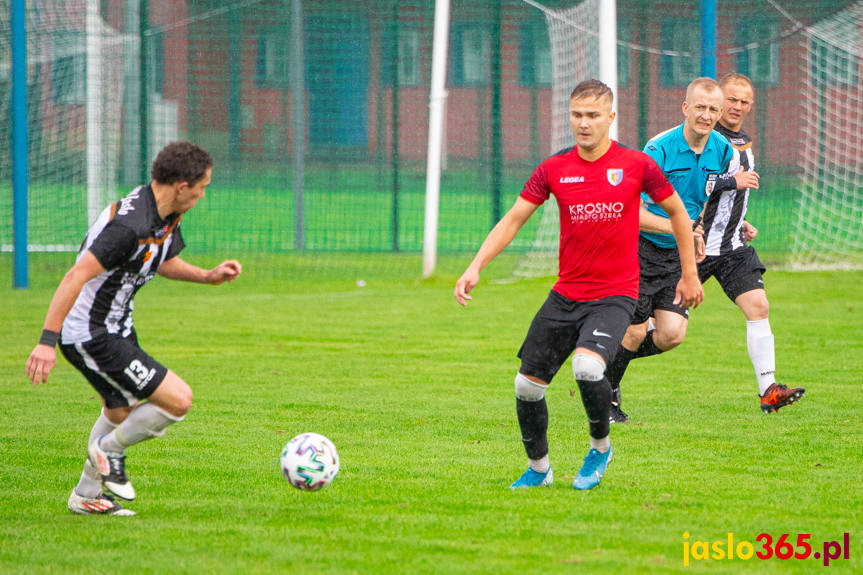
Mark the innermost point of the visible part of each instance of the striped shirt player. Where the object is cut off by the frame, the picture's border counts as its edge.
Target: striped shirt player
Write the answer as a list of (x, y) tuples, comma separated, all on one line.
[(90, 314), (597, 186), (725, 211), (131, 241), (731, 260)]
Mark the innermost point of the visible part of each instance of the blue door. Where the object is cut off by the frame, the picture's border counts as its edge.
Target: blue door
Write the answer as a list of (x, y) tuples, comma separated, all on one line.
[(337, 77)]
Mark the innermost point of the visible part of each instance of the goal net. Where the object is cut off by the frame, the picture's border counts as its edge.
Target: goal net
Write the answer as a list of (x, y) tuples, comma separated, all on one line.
[(75, 90), (829, 223), (575, 57)]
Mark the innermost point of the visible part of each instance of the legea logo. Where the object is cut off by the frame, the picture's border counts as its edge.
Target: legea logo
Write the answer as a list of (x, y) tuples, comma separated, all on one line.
[(596, 212)]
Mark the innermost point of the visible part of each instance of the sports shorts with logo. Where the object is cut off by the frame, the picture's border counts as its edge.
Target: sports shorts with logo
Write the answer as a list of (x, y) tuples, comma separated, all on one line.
[(737, 272), (117, 368), (658, 278), (561, 325)]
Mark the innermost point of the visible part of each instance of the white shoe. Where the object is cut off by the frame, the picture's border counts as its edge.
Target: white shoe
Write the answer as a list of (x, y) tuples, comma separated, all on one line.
[(101, 505), (112, 467)]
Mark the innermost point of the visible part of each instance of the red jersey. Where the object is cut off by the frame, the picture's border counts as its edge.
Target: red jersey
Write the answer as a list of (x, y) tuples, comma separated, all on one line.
[(598, 203)]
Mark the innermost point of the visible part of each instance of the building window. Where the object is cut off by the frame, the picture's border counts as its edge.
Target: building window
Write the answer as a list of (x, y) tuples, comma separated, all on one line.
[(409, 62), (272, 59), (760, 61), (682, 39), (470, 54), (70, 70), (832, 66), (157, 63), (624, 30), (410, 69), (534, 54)]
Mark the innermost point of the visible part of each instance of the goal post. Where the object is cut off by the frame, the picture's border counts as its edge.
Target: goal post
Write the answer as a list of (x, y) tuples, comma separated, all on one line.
[(827, 231), (576, 55)]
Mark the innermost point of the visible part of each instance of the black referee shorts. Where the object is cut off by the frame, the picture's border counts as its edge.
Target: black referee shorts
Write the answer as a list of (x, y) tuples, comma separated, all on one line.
[(117, 368), (561, 325), (659, 275), (737, 272)]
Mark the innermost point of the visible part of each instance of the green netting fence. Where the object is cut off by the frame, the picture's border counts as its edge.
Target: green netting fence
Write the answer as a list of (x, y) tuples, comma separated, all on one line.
[(317, 116)]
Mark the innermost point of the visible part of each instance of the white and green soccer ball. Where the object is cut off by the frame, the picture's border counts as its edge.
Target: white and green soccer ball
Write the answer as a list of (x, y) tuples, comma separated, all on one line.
[(309, 461)]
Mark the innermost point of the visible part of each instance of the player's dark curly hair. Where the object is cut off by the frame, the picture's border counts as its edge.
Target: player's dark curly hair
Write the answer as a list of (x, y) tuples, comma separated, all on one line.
[(181, 162)]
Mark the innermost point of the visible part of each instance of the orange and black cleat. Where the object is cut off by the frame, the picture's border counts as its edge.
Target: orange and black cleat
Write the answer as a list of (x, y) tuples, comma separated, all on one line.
[(778, 395)]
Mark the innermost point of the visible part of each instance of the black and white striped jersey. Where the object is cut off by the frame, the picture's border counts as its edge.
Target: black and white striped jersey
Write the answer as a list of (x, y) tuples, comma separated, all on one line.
[(724, 212), (131, 241)]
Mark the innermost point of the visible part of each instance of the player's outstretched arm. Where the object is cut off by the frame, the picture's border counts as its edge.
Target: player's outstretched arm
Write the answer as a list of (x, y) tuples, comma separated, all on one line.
[(650, 222), (689, 292), (178, 269), (498, 238), (43, 358)]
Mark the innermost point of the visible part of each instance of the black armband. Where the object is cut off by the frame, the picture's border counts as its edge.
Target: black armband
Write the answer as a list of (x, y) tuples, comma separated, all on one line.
[(696, 223), (49, 338), (725, 182)]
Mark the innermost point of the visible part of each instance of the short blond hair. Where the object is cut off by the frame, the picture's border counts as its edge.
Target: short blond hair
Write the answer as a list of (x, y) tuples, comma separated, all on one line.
[(705, 83), (594, 88), (737, 78)]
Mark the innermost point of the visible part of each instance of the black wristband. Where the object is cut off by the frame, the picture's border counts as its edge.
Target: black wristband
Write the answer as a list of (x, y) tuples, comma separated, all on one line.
[(696, 223), (49, 338)]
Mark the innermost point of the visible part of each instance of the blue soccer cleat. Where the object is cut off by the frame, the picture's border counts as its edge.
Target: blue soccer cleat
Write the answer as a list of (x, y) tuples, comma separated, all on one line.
[(593, 469), (531, 478)]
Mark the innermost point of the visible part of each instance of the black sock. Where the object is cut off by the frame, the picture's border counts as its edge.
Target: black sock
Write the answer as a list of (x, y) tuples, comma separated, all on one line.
[(533, 420), (647, 347), (615, 370), (596, 397)]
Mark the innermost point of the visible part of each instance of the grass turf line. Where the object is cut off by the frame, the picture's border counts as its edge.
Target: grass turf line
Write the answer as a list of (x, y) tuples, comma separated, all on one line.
[(417, 395)]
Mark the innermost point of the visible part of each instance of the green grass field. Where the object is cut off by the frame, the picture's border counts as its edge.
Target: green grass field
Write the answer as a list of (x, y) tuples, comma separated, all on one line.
[(417, 395)]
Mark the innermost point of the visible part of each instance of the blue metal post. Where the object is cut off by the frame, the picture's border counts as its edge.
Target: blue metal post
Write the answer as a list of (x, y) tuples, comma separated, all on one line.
[(708, 38), (19, 141)]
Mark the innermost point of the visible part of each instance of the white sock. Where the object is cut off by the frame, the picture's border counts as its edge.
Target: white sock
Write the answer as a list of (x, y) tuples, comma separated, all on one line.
[(145, 422), (90, 483), (539, 465), (601, 445), (759, 342)]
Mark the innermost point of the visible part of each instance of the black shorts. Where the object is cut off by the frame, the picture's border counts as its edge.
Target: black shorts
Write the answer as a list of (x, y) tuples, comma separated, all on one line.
[(737, 272), (561, 325), (658, 278), (117, 368)]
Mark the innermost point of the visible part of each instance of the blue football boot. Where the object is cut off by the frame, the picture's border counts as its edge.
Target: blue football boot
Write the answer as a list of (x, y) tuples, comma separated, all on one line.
[(531, 478), (593, 469)]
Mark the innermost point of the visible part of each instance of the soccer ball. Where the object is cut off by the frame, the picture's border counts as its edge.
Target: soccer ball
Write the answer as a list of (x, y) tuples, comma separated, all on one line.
[(309, 461)]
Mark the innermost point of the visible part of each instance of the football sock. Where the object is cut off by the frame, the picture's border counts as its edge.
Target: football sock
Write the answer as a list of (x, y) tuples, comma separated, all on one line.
[(759, 342), (145, 422), (647, 347), (616, 370), (533, 421), (596, 397), (539, 465), (601, 445), (90, 483), (103, 426)]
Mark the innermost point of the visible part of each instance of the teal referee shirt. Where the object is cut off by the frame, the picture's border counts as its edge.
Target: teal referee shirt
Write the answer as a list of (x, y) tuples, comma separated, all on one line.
[(694, 176)]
